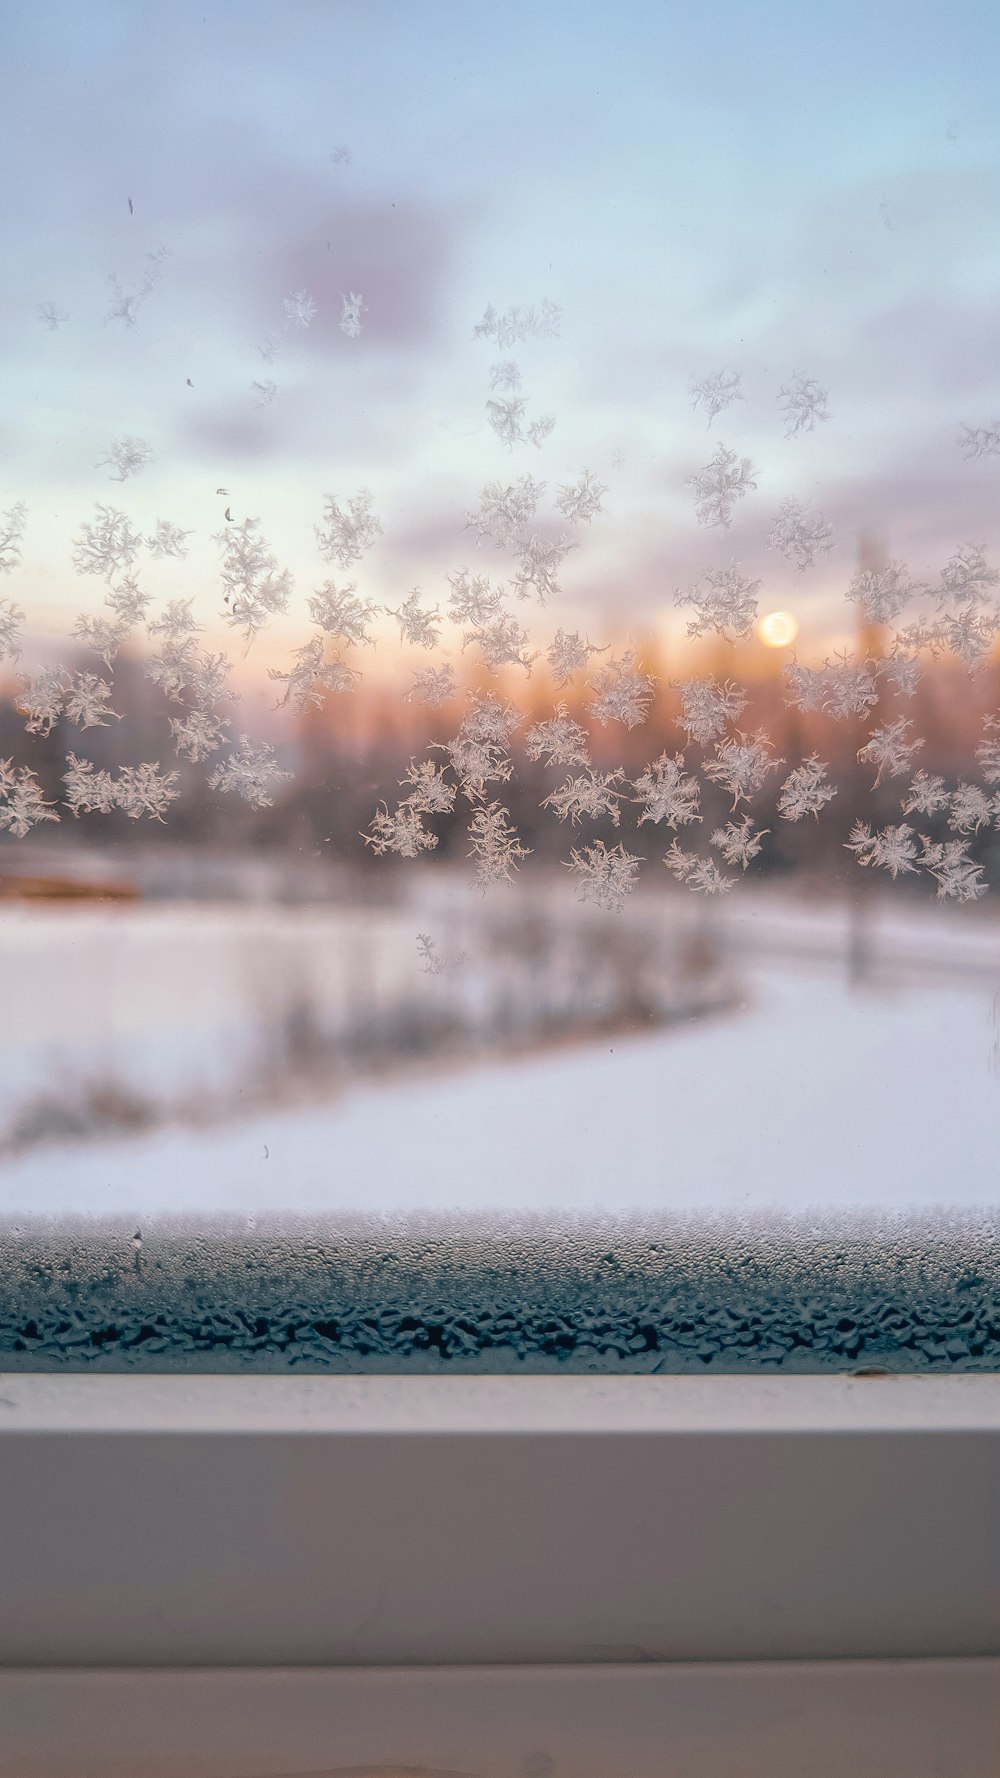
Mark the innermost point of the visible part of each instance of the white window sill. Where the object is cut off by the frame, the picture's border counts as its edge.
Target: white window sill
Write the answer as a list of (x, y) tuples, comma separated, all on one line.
[(630, 1575)]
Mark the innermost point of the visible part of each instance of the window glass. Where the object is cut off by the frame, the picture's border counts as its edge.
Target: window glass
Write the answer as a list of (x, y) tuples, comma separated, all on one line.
[(499, 679)]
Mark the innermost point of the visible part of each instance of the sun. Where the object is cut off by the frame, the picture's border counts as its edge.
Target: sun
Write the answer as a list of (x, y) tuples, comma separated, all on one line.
[(778, 629)]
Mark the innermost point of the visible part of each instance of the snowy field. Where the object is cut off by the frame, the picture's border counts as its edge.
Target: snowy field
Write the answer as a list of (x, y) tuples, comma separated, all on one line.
[(810, 1092)]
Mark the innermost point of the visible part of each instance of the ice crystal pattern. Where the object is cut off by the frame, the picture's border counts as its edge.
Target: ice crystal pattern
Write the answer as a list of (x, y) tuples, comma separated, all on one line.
[(803, 403), (126, 457), (800, 535), (251, 772), (348, 533), (716, 392), (12, 526), (495, 847), (604, 875), (724, 600), (725, 478)]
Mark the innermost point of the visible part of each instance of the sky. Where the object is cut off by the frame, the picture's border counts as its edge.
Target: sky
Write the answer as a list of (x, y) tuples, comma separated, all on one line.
[(770, 188)]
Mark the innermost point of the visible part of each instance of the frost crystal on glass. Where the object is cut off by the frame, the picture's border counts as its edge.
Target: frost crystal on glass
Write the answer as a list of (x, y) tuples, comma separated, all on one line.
[(88, 701), (167, 540), (299, 308), (505, 419), (341, 614), (802, 403), (967, 576), (311, 676), (255, 590), (724, 600), (503, 642), (890, 750), (805, 790), (126, 457), (891, 848), (51, 316), (145, 790), (742, 764), (125, 304), (22, 805), (429, 791), (980, 441), (402, 832), (12, 524), (581, 500), (505, 509), (882, 593), (725, 479), (926, 796), (800, 534), (250, 771), (849, 687), (88, 791), (622, 692), (517, 325), (433, 686), (559, 741), (741, 842), (265, 394), (970, 634), (971, 809), (700, 874), (41, 700), (495, 846), (107, 547), (592, 794), (957, 877), (418, 627), (11, 620), (668, 793), (988, 751), (352, 307), (716, 392), (568, 654), (541, 429), (604, 875), (707, 706), (538, 565), (198, 733), (505, 375), (473, 600), (348, 535)]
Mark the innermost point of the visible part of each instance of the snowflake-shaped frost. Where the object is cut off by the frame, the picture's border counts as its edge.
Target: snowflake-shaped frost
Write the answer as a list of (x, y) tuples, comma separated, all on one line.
[(145, 790), (401, 832), (849, 687), (800, 534), (605, 875), (739, 843), (541, 429), (299, 309), (254, 588), (348, 535), (199, 733), (517, 325), (418, 627), (559, 741), (22, 805), (12, 524), (265, 394), (505, 509), (890, 849), (725, 479), (538, 566), (957, 877), (41, 700), (716, 392), (708, 706), (311, 676), (88, 701), (802, 402), (11, 620), (341, 614), (502, 643), (433, 686), (622, 692), (724, 600), (126, 304), (700, 874), (581, 501), (889, 749), (883, 592), (805, 790), (168, 540), (505, 375), (126, 456), (926, 796), (495, 846), (971, 809), (568, 654), (967, 576), (472, 599), (505, 419), (742, 764), (429, 792), (107, 547), (980, 441), (51, 316), (352, 307), (593, 794), (88, 791), (251, 771), (668, 793)]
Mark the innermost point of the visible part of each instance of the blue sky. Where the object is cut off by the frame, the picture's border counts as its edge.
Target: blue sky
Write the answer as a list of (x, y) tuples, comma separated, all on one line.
[(774, 188)]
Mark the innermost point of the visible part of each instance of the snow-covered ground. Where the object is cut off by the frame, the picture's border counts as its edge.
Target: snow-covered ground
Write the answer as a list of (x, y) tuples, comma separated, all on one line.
[(810, 1093)]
